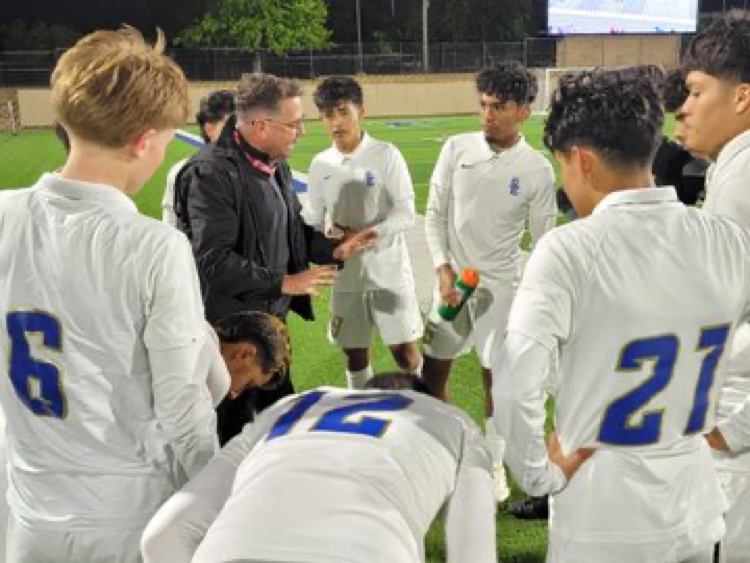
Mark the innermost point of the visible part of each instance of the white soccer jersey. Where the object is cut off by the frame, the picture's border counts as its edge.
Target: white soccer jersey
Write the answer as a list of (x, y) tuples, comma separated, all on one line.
[(480, 201), (167, 202), (336, 476), (726, 196), (641, 300), (371, 187), (101, 323)]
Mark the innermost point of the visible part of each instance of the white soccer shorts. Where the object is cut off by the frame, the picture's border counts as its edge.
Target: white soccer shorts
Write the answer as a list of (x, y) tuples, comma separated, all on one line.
[(393, 312), (483, 317)]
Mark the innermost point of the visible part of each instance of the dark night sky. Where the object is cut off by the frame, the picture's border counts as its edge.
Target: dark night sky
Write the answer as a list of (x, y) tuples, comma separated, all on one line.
[(86, 15), (171, 15)]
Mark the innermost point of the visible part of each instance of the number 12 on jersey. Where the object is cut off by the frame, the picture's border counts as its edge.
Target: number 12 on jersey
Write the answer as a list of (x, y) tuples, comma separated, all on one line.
[(617, 426), (38, 384), (335, 419)]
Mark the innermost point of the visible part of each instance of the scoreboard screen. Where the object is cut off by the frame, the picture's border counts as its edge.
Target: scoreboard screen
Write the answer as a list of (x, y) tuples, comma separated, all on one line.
[(571, 17)]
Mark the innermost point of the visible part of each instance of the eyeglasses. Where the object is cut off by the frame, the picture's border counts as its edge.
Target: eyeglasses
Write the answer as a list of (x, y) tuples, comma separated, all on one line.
[(296, 125)]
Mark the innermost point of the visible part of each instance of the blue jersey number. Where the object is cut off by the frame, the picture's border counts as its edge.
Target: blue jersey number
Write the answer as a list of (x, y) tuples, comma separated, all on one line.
[(617, 427), (38, 384), (335, 420)]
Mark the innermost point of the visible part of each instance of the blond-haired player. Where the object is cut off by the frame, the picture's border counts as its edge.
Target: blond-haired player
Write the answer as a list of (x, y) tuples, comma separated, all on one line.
[(101, 321)]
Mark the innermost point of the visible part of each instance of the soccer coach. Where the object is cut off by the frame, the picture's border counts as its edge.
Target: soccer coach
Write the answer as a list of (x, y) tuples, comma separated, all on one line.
[(235, 203)]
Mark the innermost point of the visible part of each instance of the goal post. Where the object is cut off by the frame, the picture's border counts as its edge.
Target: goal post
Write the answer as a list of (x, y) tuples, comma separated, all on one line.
[(14, 119)]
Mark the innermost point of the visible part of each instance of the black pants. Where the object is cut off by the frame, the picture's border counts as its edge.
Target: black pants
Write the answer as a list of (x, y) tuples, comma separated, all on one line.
[(233, 414)]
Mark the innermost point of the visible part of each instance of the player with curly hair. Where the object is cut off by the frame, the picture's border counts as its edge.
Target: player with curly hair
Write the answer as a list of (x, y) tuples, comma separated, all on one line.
[(716, 117), (484, 188), (637, 363)]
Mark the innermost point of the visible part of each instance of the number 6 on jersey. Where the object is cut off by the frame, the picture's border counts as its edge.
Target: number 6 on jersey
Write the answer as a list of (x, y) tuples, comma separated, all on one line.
[(38, 384)]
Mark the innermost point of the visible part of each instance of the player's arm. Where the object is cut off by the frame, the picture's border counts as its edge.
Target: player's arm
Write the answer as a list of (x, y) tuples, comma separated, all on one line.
[(732, 432), (179, 526), (401, 192), (543, 204), (436, 214), (174, 336), (470, 511), (218, 379), (540, 319), (167, 205), (314, 210), (215, 225)]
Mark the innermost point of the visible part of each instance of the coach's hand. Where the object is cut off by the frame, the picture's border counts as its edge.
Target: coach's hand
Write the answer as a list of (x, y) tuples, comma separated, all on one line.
[(716, 440), (354, 242), (308, 282), (446, 285), (570, 463)]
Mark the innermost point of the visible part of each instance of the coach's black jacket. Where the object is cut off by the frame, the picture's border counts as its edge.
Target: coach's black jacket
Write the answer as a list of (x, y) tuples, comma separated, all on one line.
[(222, 203)]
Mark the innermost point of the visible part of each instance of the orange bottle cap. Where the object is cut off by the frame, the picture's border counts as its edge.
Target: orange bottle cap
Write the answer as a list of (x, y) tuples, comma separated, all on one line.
[(470, 277)]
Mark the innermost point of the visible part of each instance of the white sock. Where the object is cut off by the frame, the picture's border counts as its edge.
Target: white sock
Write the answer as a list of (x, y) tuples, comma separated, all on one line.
[(495, 442), (357, 379), (420, 365)]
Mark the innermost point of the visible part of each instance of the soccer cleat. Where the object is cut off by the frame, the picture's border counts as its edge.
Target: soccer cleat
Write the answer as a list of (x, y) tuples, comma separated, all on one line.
[(532, 508), (500, 483)]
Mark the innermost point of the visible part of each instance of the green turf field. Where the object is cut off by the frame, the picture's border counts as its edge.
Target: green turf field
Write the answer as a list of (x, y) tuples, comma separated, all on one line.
[(24, 157)]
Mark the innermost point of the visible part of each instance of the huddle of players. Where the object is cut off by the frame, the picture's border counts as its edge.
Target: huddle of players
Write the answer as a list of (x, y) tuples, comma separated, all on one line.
[(595, 317), (630, 471)]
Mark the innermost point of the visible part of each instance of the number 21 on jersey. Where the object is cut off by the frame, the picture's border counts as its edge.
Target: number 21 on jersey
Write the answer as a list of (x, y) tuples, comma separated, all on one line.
[(37, 383), (617, 426)]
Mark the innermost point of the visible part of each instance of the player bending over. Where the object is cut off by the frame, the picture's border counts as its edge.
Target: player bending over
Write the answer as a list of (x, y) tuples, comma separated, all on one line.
[(639, 363), (332, 475)]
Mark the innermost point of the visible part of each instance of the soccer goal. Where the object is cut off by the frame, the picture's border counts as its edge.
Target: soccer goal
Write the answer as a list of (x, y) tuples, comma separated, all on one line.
[(552, 79), (10, 118)]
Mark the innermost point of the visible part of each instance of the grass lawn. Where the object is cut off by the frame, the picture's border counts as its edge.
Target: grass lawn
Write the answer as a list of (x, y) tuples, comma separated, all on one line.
[(24, 157)]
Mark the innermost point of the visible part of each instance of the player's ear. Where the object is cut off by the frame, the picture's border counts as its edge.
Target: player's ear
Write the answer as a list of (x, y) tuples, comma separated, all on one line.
[(246, 351), (524, 112), (742, 98), (141, 142)]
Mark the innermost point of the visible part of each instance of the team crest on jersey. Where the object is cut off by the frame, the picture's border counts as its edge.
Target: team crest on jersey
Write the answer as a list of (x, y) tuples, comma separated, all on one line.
[(336, 325), (369, 179), (515, 186)]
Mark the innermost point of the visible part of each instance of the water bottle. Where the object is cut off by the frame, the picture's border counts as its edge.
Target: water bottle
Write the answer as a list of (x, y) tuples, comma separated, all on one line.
[(466, 283)]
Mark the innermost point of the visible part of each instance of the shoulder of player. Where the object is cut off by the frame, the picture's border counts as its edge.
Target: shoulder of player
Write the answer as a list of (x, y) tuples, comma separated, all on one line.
[(470, 140)]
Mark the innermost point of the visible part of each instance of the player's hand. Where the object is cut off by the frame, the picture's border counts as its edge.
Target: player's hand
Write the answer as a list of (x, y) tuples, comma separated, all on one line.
[(354, 242), (716, 440), (570, 464), (446, 285), (309, 281)]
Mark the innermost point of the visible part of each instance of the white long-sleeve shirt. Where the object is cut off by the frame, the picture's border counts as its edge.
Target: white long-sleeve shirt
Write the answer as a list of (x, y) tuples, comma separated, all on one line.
[(101, 328), (368, 188), (638, 302), (480, 201), (336, 476), (727, 196)]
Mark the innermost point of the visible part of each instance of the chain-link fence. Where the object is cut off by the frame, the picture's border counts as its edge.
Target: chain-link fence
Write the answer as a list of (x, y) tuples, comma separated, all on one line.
[(33, 68)]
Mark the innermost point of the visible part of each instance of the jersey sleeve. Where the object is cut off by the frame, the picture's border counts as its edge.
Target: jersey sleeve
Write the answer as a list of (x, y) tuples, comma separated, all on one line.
[(314, 210), (179, 526), (543, 203), (470, 511), (540, 321), (436, 214), (174, 336), (401, 192)]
